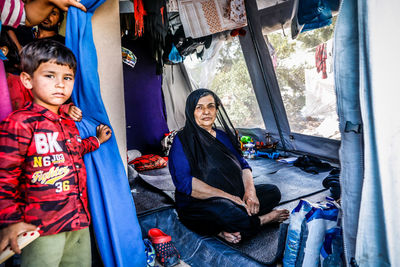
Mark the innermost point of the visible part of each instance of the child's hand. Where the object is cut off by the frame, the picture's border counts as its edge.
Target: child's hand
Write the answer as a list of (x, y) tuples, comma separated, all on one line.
[(103, 133), (75, 113), (8, 235), (65, 4)]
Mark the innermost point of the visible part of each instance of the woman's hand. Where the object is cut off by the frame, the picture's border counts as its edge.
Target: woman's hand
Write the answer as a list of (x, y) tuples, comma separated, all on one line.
[(240, 202), (250, 196), (201, 190), (251, 200)]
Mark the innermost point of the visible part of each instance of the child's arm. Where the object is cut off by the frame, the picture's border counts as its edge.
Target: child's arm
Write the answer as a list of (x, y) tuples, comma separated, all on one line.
[(103, 133), (38, 10), (15, 138)]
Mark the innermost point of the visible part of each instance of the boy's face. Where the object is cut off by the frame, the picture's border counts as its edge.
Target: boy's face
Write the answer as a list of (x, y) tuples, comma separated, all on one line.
[(51, 84)]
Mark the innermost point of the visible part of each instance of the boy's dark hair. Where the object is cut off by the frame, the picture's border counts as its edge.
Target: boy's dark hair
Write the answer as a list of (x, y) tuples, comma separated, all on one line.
[(11, 65), (42, 51)]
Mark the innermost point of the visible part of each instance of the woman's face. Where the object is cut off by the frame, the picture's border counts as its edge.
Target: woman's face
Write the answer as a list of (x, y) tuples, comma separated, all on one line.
[(205, 112)]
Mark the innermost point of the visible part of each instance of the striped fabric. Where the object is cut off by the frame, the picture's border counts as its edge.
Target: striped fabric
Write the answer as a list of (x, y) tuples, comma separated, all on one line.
[(12, 12)]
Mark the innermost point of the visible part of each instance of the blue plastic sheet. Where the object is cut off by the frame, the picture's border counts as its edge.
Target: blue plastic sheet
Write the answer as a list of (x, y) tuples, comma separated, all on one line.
[(194, 249), (112, 208)]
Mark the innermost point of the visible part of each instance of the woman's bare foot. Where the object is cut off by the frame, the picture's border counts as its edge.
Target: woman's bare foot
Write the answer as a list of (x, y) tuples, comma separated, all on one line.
[(275, 216), (231, 237)]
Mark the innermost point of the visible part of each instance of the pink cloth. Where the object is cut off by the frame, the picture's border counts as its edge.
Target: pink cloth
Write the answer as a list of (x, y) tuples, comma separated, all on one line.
[(5, 102)]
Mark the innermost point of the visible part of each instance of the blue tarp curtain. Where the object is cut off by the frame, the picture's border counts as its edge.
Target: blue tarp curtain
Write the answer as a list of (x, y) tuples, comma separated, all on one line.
[(116, 227), (366, 77)]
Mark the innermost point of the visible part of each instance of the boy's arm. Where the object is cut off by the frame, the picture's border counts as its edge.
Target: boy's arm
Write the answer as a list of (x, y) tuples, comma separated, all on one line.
[(103, 133), (89, 144), (15, 138)]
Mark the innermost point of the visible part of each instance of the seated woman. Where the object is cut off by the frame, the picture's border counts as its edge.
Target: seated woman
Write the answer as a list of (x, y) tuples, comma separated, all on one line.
[(215, 192)]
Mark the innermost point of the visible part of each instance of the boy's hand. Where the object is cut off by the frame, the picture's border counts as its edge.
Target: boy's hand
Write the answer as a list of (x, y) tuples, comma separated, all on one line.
[(65, 4), (103, 133), (75, 113), (8, 235)]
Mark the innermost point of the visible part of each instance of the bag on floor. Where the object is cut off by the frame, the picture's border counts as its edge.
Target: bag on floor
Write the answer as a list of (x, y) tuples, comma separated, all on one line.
[(312, 229)]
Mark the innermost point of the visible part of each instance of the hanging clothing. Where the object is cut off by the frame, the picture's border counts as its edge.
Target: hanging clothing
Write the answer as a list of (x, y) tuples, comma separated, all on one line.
[(201, 18), (145, 118), (139, 17), (320, 59)]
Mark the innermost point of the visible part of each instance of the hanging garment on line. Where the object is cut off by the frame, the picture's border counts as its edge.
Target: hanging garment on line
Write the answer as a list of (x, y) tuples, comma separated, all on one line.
[(201, 18), (320, 59)]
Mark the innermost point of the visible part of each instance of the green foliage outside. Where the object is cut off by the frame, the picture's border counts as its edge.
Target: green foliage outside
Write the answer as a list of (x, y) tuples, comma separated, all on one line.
[(290, 70), (232, 84), (232, 81)]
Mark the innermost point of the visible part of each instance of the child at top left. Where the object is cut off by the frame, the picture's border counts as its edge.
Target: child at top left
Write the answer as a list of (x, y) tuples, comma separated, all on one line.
[(31, 12)]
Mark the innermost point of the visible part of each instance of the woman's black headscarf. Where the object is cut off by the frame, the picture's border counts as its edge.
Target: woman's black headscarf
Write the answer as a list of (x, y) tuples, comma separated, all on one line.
[(210, 160)]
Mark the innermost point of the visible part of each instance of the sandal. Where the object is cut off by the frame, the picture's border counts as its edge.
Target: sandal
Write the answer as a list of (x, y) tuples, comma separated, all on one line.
[(166, 253)]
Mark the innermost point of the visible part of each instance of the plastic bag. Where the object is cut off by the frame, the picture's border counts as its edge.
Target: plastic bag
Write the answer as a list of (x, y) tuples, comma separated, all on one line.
[(312, 229)]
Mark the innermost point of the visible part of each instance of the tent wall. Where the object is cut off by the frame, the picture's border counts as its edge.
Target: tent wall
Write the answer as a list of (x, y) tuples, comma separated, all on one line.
[(176, 88), (263, 76), (107, 39), (268, 93)]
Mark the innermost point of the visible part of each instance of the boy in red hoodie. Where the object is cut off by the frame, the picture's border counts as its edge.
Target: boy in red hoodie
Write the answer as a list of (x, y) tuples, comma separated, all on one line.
[(42, 173)]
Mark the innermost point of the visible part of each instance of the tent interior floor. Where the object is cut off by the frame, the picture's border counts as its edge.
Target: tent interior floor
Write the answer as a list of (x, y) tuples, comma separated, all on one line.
[(153, 195)]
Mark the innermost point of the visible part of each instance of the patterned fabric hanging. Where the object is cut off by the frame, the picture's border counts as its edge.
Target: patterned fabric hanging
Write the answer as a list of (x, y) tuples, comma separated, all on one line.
[(139, 14)]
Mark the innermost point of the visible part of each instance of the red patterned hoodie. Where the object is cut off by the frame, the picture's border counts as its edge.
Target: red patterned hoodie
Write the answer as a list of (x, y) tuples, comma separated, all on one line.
[(42, 174)]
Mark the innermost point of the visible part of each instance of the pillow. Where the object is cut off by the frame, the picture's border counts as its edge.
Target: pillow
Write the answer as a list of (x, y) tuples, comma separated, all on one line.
[(149, 162), (133, 154)]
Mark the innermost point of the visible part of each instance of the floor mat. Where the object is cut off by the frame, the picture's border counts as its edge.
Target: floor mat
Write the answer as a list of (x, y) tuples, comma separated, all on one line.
[(148, 197), (267, 247), (161, 179), (292, 181)]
